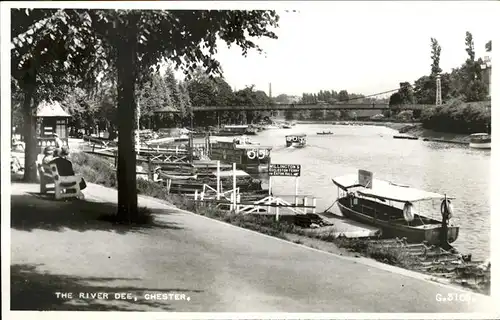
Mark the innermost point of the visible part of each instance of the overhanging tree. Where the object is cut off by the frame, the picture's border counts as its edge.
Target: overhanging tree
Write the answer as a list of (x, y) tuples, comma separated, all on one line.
[(140, 39), (47, 54), (86, 42)]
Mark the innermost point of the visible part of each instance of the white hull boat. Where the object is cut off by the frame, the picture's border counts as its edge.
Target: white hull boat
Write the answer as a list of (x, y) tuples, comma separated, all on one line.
[(480, 141)]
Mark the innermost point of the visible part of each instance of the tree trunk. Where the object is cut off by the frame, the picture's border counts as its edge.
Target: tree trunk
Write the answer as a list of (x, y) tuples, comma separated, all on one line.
[(29, 130), (126, 175)]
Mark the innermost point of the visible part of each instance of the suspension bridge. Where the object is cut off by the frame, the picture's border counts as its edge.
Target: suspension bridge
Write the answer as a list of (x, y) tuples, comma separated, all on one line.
[(327, 107), (347, 105)]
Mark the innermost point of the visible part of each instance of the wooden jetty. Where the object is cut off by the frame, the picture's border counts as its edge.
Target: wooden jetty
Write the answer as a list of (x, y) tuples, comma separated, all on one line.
[(436, 261)]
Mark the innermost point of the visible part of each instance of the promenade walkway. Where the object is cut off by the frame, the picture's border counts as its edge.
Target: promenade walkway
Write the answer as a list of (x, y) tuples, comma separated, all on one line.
[(212, 266)]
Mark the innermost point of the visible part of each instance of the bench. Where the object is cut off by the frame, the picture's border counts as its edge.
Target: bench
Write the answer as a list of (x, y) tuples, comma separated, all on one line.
[(63, 185)]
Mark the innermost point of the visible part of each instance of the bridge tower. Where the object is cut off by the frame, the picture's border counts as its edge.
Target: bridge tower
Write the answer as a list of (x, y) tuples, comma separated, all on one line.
[(439, 100)]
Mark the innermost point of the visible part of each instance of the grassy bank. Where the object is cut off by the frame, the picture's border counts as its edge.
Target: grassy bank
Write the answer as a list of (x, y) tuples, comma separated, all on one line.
[(100, 171)]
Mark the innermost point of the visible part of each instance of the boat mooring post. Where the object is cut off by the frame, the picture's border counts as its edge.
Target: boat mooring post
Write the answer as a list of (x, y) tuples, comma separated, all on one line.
[(296, 190), (234, 186), (150, 169), (218, 179), (269, 189), (270, 184), (444, 227), (191, 147)]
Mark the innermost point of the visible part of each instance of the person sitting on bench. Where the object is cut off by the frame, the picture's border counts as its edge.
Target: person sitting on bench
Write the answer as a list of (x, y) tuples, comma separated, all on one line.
[(64, 166), (48, 156)]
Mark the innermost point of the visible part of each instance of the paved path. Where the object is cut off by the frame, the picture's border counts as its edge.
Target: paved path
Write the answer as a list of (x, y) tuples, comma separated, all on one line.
[(220, 268)]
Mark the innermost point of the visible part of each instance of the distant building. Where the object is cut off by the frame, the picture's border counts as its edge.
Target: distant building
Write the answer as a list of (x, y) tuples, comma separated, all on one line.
[(51, 118)]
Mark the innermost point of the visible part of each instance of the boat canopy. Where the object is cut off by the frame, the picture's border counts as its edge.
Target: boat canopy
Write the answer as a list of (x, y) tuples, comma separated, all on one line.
[(230, 173), (386, 190), (297, 135), (253, 146)]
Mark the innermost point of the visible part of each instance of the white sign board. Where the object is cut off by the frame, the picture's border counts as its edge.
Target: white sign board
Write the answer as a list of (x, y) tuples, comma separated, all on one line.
[(365, 178)]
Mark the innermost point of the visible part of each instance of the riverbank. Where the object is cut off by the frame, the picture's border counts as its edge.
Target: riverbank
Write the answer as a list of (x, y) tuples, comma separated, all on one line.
[(415, 129), (100, 171)]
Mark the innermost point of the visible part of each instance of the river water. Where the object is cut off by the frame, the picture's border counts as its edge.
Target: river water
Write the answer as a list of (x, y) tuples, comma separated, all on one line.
[(456, 170)]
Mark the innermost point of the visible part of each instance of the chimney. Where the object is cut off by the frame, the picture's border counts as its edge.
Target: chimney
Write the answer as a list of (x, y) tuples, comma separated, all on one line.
[(270, 93)]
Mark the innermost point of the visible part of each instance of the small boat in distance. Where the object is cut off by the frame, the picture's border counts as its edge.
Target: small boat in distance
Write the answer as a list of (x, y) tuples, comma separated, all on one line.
[(391, 207), (324, 132), (296, 140), (480, 141), (286, 125)]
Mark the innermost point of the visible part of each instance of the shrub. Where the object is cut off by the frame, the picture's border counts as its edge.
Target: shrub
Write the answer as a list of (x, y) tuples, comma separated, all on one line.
[(458, 117), (101, 171), (94, 169), (406, 115)]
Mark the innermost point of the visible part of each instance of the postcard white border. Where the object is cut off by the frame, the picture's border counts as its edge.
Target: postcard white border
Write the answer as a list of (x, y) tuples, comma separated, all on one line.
[(491, 10)]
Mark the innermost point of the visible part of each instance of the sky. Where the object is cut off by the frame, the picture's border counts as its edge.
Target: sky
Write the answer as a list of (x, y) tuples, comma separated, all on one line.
[(362, 47)]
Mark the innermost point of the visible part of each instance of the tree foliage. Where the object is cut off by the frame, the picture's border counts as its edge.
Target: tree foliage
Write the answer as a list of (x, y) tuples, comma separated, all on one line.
[(48, 55), (487, 46), (435, 56), (85, 43), (458, 117), (464, 83), (404, 95)]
